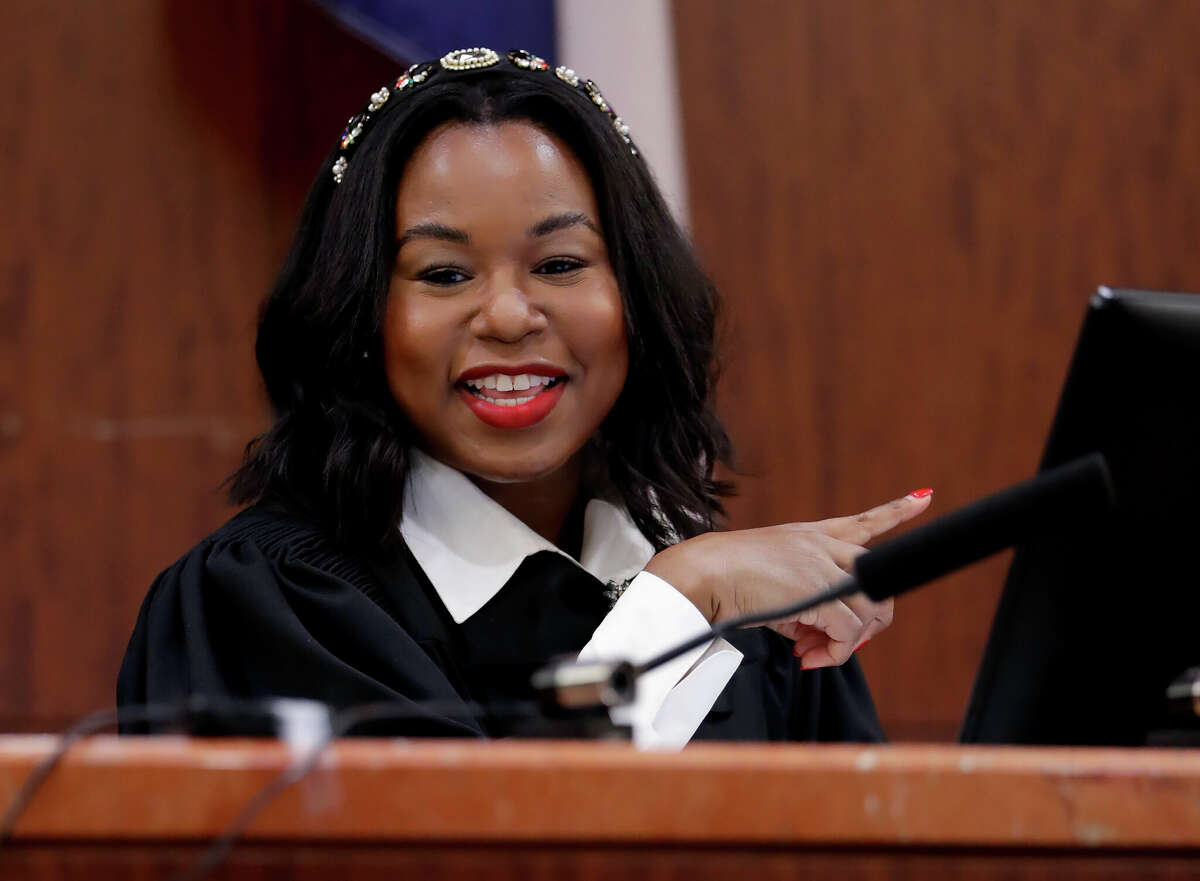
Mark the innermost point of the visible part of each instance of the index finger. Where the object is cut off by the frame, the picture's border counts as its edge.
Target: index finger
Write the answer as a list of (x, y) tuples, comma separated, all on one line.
[(861, 528)]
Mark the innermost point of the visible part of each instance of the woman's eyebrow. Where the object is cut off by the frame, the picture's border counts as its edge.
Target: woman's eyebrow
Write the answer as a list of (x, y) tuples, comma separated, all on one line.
[(432, 231), (555, 222)]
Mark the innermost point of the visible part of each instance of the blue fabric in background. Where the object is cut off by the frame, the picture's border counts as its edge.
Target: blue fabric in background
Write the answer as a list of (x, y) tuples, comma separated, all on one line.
[(418, 30)]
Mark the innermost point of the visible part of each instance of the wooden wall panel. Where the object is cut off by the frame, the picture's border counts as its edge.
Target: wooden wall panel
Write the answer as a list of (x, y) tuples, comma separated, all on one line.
[(907, 204), (155, 155)]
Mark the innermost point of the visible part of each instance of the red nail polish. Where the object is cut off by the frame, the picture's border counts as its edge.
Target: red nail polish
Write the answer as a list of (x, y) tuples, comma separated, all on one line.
[(920, 493)]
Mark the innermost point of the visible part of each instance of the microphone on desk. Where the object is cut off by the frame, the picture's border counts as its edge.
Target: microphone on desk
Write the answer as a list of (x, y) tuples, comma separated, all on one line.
[(1076, 493)]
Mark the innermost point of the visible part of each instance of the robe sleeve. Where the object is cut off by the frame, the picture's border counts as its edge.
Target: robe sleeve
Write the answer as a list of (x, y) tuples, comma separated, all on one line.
[(265, 612), (672, 700)]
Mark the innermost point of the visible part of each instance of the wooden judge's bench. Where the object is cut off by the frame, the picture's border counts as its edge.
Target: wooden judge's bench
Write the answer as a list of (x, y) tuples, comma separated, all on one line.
[(143, 808)]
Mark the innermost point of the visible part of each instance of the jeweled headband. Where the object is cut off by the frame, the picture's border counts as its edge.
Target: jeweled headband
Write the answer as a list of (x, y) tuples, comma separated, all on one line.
[(466, 59)]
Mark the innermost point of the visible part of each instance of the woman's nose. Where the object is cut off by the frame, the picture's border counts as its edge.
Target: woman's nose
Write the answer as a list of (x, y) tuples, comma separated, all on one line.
[(507, 313)]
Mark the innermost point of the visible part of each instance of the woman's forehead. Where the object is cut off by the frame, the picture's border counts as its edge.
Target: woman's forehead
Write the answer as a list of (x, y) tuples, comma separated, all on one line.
[(472, 171)]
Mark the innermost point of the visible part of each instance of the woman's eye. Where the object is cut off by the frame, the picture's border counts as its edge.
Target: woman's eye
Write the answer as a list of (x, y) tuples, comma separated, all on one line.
[(558, 266), (444, 276)]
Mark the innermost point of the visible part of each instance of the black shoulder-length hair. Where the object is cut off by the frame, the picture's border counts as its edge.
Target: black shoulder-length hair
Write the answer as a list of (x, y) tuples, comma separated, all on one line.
[(339, 447)]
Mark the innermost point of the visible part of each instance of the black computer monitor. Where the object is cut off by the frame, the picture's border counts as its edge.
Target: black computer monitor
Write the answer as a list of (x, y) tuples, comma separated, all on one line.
[(1093, 625)]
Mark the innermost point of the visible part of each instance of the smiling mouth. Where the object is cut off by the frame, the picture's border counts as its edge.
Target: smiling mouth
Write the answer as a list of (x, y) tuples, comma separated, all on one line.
[(503, 390), (504, 400)]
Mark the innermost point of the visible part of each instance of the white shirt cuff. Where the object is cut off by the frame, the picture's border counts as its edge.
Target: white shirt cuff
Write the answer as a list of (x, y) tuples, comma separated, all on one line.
[(672, 700)]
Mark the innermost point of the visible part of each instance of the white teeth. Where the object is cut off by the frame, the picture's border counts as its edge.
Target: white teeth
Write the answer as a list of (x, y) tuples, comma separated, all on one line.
[(503, 382), (509, 402)]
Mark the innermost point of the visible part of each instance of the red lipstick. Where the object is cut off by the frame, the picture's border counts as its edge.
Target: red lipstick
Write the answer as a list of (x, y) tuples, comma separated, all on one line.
[(518, 415), (542, 401)]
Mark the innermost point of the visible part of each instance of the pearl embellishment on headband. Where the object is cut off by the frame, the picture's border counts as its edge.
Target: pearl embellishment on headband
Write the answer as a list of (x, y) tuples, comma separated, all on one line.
[(339, 169), (468, 59), (354, 128), (414, 76), (378, 99), (594, 93), (527, 60)]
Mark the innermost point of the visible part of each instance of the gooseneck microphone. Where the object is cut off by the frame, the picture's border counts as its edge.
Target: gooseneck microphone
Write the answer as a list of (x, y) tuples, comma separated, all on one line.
[(1076, 494)]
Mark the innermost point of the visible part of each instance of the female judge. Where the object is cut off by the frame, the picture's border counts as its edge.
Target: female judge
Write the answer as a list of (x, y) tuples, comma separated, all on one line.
[(490, 352)]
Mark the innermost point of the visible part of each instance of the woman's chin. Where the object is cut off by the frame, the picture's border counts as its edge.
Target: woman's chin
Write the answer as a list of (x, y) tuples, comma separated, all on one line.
[(510, 474), (506, 470)]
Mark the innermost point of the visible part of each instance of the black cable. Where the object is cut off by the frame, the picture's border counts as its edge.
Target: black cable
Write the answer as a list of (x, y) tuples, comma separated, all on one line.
[(83, 728), (201, 711), (196, 711), (844, 588), (342, 724)]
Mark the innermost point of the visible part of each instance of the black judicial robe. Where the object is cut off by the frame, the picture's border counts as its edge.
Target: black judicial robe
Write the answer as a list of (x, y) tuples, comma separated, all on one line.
[(268, 606)]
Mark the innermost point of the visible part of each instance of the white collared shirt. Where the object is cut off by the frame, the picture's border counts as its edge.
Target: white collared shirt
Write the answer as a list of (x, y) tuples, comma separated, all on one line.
[(470, 546)]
